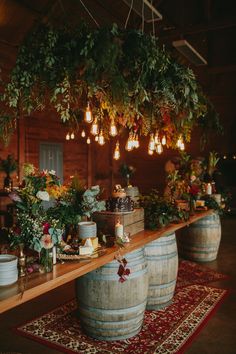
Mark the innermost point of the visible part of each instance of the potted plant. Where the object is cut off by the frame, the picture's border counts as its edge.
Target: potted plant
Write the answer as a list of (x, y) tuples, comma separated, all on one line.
[(158, 212), (9, 165)]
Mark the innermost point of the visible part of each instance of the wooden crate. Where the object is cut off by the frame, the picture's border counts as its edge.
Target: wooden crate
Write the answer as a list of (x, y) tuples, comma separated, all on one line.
[(133, 221)]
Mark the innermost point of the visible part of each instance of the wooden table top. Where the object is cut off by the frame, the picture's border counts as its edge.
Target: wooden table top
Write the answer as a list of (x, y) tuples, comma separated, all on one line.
[(35, 284)]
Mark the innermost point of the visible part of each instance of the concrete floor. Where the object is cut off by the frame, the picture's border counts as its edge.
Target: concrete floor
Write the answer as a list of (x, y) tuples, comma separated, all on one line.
[(217, 337)]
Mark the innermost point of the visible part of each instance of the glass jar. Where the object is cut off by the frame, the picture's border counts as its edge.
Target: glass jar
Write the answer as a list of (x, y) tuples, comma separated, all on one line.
[(46, 260)]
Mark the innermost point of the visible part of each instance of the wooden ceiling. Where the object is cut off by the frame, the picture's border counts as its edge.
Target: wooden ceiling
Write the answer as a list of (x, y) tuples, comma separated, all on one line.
[(208, 25)]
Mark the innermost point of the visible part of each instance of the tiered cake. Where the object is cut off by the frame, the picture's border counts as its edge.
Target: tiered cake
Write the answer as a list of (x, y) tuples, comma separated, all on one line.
[(133, 193), (119, 202)]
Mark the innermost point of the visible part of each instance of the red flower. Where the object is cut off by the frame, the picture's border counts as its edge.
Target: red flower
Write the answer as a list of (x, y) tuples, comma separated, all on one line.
[(194, 189), (16, 230), (46, 227)]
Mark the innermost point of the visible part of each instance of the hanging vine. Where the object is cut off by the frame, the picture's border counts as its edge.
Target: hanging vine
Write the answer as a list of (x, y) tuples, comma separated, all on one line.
[(124, 73)]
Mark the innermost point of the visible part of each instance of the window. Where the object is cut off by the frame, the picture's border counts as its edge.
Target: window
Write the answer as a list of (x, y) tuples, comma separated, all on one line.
[(51, 158)]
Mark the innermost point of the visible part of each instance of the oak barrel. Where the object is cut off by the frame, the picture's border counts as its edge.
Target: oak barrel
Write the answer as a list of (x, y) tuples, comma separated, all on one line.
[(200, 241), (162, 258), (108, 309)]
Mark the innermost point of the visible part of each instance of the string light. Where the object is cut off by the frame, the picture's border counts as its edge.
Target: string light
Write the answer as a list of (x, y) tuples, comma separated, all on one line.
[(67, 136), (83, 134), (88, 115), (116, 154), (163, 140), (72, 136), (94, 127), (224, 157), (113, 129), (150, 152), (88, 141), (96, 138), (101, 140)]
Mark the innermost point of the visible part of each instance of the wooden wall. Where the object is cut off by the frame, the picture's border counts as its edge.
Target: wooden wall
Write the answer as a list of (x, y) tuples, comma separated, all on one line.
[(95, 165), (46, 127)]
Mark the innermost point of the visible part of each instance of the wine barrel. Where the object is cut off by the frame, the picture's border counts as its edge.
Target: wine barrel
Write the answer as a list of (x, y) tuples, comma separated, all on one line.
[(200, 241), (162, 258), (108, 309)]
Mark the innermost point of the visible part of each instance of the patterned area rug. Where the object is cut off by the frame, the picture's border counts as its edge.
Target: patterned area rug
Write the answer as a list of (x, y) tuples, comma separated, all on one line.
[(190, 273), (166, 331)]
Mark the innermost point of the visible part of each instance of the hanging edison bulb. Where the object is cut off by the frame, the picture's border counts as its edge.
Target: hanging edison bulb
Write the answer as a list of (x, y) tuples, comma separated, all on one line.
[(72, 136), (159, 148), (182, 146), (151, 145), (94, 127), (116, 154), (96, 138), (113, 129), (88, 115), (83, 134), (156, 138), (129, 143), (163, 140), (179, 141), (88, 141), (101, 140), (136, 142), (67, 136), (150, 152)]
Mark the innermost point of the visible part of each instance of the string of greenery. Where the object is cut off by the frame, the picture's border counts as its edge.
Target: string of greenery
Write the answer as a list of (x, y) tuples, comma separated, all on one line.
[(124, 74)]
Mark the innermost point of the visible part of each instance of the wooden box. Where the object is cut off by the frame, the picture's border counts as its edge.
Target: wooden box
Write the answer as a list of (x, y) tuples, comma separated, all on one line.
[(133, 221)]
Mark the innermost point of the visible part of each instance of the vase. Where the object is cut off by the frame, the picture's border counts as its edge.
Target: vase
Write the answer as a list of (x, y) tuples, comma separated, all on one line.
[(46, 260), (192, 207)]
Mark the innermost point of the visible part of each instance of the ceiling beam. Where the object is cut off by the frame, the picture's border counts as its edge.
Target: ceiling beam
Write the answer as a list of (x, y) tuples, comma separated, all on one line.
[(198, 29)]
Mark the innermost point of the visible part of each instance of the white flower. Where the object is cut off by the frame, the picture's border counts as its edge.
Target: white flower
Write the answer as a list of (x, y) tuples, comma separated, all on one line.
[(43, 195), (46, 241), (52, 172)]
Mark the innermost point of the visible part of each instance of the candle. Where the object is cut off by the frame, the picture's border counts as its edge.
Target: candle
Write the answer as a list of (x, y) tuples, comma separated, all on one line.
[(208, 188), (54, 255), (119, 229)]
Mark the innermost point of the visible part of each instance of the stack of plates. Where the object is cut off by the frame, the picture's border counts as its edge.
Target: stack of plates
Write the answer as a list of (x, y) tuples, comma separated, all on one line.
[(87, 229), (8, 269)]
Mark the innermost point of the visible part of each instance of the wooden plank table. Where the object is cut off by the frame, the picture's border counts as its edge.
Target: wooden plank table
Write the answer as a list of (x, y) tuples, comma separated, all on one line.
[(36, 284)]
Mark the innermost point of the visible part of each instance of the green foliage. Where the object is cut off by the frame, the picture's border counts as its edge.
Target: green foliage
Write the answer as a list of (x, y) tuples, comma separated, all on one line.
[(124, 74), (211, 203), (159, 212)]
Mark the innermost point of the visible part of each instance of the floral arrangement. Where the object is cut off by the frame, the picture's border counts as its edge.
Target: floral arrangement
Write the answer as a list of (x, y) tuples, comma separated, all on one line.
[(127, 171), (45, 207), (35, 228), (186, 180)]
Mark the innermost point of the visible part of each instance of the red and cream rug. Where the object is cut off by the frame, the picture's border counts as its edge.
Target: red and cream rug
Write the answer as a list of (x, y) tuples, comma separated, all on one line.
[(167, 331), (190, 273)]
